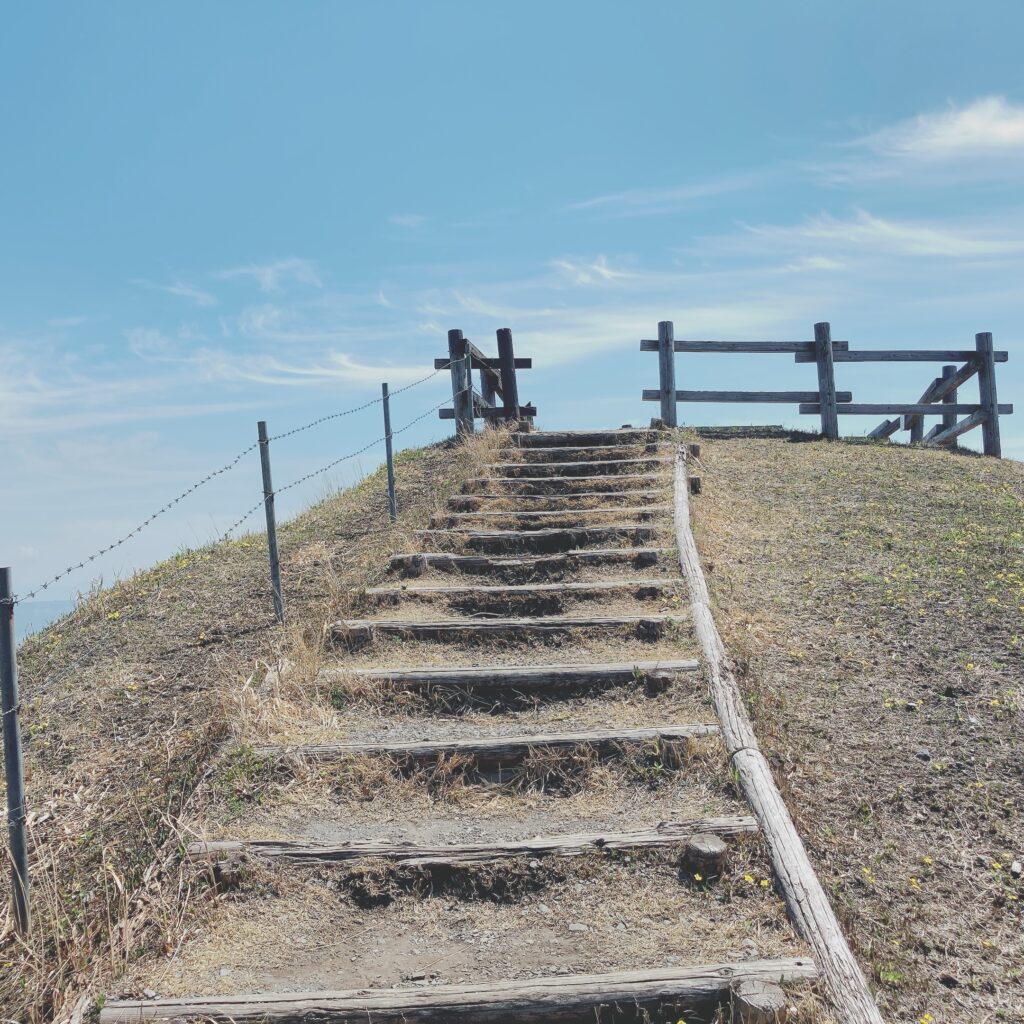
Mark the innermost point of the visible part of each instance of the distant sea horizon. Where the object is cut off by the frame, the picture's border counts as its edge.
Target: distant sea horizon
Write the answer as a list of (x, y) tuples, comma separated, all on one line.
[(32, 616)]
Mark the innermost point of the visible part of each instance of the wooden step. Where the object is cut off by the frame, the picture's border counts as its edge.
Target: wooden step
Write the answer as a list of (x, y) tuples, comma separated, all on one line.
[(543, 541), (554, 1000), (665, 833), (497, 751), (554, 453), (355, 630), (555, 502), (531, 679), (532, 565), (608, 467), (554, 484), (641, 513), (641, 589), (586, 438)]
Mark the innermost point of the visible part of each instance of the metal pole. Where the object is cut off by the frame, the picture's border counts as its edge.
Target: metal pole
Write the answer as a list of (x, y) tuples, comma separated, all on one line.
[(14, 769), (268, 504), (392, 503)]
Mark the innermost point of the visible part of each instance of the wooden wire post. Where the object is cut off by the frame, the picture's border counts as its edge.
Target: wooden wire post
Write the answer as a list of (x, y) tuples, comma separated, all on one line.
[(14, 769), (987, 393), (507, 369), (949, 418), (268, 504), (462, 382), (667, 372), (826, 380), (392, 502)]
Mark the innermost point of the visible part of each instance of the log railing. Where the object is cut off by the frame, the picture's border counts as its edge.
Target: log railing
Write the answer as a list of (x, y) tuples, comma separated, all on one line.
[(939, 399), (497, 381)]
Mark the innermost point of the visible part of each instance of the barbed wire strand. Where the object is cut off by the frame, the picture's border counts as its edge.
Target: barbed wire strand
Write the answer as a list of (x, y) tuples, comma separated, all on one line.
[(227, 467)]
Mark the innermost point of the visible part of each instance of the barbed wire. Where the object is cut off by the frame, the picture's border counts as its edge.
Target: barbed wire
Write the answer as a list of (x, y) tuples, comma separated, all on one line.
[(227, 467)]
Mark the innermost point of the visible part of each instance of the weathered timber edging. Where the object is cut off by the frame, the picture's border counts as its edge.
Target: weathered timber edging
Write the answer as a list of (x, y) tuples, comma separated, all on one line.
[(544, 539), (493, 750), (640, 588), (665, 833), (523, 678), (595, 467), (526, 517), (470, 629), (556, 502), (515, 453), (552, 1000), (806, 900), (415, 564), (555, 484), (585, 438)]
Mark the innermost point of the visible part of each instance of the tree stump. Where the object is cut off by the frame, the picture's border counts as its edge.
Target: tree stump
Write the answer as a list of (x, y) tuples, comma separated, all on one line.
[(705, 855), (759, 1002)]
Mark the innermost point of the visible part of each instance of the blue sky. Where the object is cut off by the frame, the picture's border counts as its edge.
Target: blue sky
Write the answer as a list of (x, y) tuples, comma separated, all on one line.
[(212, 214)]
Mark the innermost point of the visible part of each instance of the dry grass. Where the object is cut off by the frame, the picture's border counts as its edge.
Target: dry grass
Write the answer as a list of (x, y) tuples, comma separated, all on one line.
[(875, 597), (127, 701)]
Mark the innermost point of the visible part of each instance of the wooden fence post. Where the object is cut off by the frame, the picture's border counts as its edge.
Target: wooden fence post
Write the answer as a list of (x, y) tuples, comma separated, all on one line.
[(987, 394), (826, 380), (268, 505), (917, 430), (14, 773), (507, 369), (462, 382), (392, 503), (949, 418), (667, 372)]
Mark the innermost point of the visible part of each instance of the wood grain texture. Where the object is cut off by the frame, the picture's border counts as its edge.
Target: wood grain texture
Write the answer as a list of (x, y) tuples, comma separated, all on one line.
[(586, 438), (904, 408), (902, 356), (446, 562), (749, 347), (555, 502), (945, 435), (544, 539), (498, 750), (554, 1000), (665, 833), (637, 587), (762, 397), (806, 900), (589, 467)]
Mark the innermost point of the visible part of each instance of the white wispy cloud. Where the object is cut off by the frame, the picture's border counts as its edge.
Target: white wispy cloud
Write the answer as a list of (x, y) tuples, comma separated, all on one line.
[(645, 201), (180, 289), (273, 276), (586, 272), (330, 368), (407, 220), (62, 322), (988, 125), (866, 233)]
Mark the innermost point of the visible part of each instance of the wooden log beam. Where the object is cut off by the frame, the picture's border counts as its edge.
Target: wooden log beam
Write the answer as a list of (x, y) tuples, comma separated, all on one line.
[(639, 588), (592, 452), (904, 409), (553, 1000), (665, 833), (590, 467), (442, 561), (351, 630), (763, 397), (553, 502), (553, 484), (942, 387), (750, 347), (543, 540), (902, 356), (538, 679), (584, 438), (502, 751), (945, 435), (494, 363), (526, 518), (808, 905), (488, 413), (886, 428)]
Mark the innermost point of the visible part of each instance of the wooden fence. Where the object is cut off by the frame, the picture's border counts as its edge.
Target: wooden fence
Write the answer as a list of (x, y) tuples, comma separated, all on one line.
[(939, 399), (497, 380)]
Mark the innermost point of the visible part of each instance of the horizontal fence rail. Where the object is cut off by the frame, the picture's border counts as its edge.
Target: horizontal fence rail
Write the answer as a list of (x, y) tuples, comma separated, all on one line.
[(940, 398)]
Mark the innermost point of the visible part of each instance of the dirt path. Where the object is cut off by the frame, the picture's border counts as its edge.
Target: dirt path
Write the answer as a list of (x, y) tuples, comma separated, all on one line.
[(487, 633)]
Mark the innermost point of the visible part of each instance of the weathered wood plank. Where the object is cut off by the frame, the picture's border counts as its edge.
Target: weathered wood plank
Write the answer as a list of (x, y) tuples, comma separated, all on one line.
[(991, 444), (589, 467), (526, 679), (547, 438), (351, 630), (544, 539), (666, 394), (886, 428), (420, 562), (554, 502), (947, 434), (554, 1000), (763, 397), (488, 413), (902, 356), (904, 408), (751, 347), (552, 453), (522, 362), (665, 833), (525, 518), (639, 587), (554, 484), (808, 905), (504, 751)]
